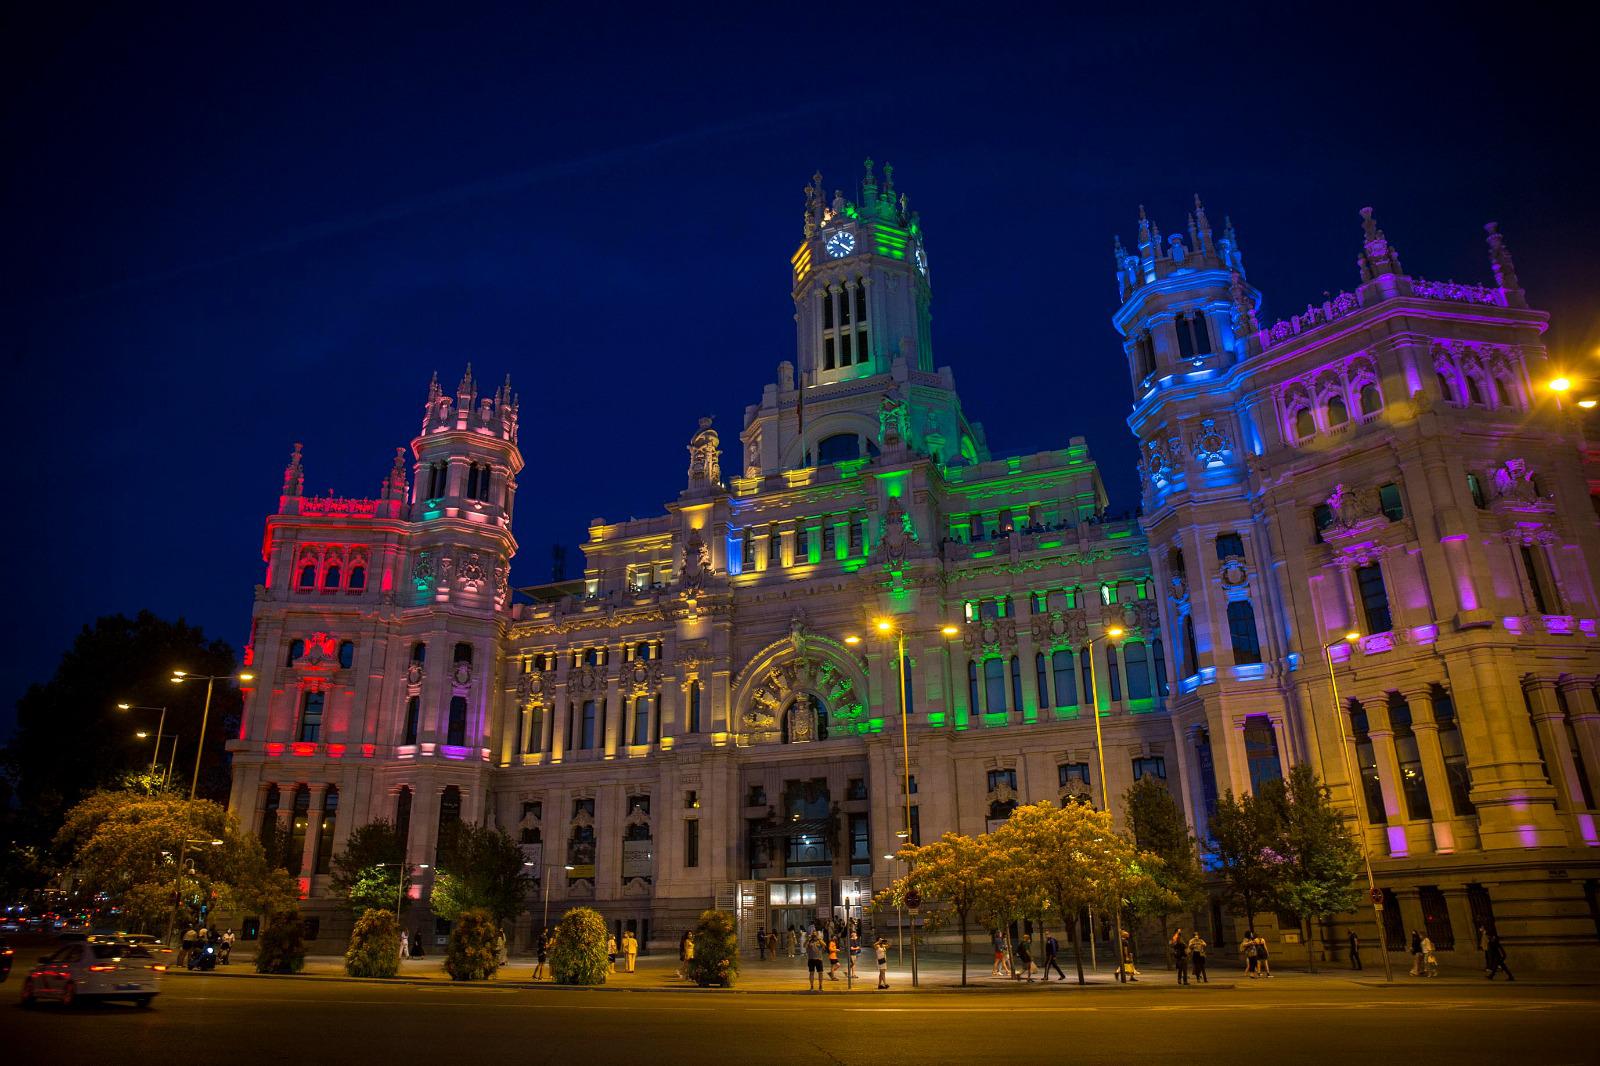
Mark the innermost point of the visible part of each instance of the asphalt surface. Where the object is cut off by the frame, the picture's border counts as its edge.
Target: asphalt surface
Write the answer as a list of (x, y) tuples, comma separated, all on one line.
[(240, 1022)]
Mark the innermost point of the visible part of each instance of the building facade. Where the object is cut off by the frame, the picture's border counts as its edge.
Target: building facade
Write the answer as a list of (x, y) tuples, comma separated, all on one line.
[(868, 628)]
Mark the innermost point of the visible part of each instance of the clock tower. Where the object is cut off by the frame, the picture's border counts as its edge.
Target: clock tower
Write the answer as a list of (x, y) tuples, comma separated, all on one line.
[(861, 294)]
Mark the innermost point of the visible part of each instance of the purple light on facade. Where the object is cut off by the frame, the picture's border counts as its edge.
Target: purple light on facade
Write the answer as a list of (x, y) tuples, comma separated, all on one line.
[(1513, 624), (1558, 623), (1397, 841), (1586, 827), (1529, 835), (1586, 627), (1425, 634), (1453, 538)]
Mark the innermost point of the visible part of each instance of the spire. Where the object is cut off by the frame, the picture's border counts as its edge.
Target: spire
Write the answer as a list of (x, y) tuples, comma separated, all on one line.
[(1194, 235), (1144, 227), (869, 187), (1244, 311), (394, 486), (433, 388), (1505, 271), (816, 204), (888, 182), (467, 386), (1378, 256), (294, 476)]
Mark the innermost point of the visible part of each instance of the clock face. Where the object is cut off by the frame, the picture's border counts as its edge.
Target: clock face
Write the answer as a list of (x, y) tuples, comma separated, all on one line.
[(841, 244), (922, 260)]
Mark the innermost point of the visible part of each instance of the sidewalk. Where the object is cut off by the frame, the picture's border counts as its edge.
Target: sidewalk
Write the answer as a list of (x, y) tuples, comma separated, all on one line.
[(939, 973)]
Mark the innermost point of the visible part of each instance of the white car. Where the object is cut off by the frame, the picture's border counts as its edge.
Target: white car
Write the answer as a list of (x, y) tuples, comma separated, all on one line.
[(83, 971)]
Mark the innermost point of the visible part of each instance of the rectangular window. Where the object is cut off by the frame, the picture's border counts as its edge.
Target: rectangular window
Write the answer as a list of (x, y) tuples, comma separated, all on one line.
[(311, 717), (802, 543), (691, 843), (856, 526), (998, 778), (861, 303), (844, 349), (844, 308), (1153, 765), (1242, 632), (1413, 786), (1389, 502), (641, 720), (1321, 519), (1229, 545), (694, 706), (1436, 918), (860, 844), (994, 686), (413, 714), (1475, 490), (1530, 567), (1066, 682), (586, 733), (1374, 598), (456, 731), (1454, 752), (916, 825), (1367, 767), (829, 536), (829, 360), (1073, 773)]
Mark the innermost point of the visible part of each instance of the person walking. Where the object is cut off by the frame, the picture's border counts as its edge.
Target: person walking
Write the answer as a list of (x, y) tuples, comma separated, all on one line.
[(855, 949), (1129, 970), (611, 954), (501, 955), (772, 943), (1495, 956), (880, 948), (1197, 957), (1355, 950), (1000, 969), (761, 942), (1180, 956), (1247, 952), (1052, 957), (1263, 957), (833, 956), (227, 945), (543, 955), (405, 944), (815, 949), (1025, 957), (1430, 961), (1416, 953), (794, 943), (630, 949)]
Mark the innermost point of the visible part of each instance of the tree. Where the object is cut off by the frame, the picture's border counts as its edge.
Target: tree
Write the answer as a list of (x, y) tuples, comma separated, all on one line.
[(578, 955), (473, 952), (481, 869), (374, 946), (955, 870), (1242, 834), (1070, 858), (369, 872), (1159, 828), (126, 845), (1318, 860), (282, 948), (71, 740), (716, 950)]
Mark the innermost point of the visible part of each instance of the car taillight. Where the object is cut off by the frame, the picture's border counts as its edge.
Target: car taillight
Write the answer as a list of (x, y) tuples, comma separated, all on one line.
[(101, 969), (159, 968)]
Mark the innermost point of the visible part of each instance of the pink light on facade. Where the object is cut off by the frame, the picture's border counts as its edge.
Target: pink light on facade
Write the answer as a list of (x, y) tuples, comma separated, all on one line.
[(1587, 829), (274, 749), (368, 750), (1398, 847), (303, 748), (336, 751), (1425, 634)]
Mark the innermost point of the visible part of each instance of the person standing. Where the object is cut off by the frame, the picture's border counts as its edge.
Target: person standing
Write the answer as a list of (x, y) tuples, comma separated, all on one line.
[(611, 954), (772, 943), (501, 956), (1416, 953), (186, 945), (1247, 952), (1197, 957), (1025, 957), (684, 949), (405, 944), (1430, 961), (227, 945), (761, 942), (688, 954), (880, 948), (1052, 953), (1180, 956), (1355, 950), (833, 956), (630, 949), (815, 949), (542, 957), (1495, 956), (855, 949), (1263, 957)]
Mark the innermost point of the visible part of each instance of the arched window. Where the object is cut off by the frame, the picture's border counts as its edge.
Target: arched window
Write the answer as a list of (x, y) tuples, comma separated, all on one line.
[(994, 686), (1242, 632), (1501, 397), (1136, 656), (1447, 388), (1066, 678), (308, 576), (358, 578), (456, 726), (1474, 392), (347, 654), (331, 576), (1305, 424), (297, 650), (1371, 400), (463, 652), (838, 448), (973, 706), (1338, 415), (419, 653)]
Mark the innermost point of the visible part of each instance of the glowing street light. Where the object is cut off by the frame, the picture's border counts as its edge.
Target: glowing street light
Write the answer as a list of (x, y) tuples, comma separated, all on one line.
[(1560, 384), (161, 725), (1112, 632)]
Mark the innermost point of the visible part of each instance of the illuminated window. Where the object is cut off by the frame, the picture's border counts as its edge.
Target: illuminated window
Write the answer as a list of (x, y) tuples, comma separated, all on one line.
[(310, 718), (1261, 751), (1108, 594), (1242, 632), (1367, 765), (330, 812)]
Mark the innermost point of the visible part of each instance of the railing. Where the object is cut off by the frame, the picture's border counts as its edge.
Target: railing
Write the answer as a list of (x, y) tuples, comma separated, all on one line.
[(1467, 294), (1315, 315)]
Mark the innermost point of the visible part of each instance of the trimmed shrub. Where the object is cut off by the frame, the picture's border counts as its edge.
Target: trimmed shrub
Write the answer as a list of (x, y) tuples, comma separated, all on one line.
[(716, 950), (578, 956), (471, 954), (374, 946), (282, 947)]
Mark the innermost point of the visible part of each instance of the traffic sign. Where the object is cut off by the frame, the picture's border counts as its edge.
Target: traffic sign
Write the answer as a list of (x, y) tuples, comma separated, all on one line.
[(913, 899), (1377, 895)]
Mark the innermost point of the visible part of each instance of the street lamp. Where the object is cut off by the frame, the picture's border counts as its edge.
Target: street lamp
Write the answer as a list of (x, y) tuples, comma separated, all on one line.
[(1112, 633), (544, 876), (400, 891), (1350, 774), (178, 678), (886, 628), (161, 725)]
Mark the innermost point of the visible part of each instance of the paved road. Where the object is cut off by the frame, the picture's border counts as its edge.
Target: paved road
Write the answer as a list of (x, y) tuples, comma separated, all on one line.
[(241, 1022)]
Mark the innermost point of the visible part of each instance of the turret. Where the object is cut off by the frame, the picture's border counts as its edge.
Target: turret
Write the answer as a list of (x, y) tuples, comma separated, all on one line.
[(466, 456)]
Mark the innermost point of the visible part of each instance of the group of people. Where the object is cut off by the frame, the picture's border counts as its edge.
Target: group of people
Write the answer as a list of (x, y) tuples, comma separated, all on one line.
[(1257, 959), (195, 938), (1189, 955)]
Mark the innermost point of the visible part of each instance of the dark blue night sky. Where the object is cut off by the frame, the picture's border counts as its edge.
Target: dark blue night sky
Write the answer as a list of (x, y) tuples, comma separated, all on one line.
[(225, 236)]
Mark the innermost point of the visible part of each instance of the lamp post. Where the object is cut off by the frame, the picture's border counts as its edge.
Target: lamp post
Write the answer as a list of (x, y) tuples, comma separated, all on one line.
[(400, 890), (543, 876), (1350, 773), (1111, 633), (178, 678), (161, 725), (886, 628)]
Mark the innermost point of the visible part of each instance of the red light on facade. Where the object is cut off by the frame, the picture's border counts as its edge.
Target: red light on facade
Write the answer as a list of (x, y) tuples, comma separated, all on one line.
[(304, 884), (368, 750), (303, 748), (274, 749), (336, 751)]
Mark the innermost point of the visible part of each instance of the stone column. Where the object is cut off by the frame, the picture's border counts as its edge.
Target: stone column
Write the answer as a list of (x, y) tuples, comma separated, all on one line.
[(1552, 727), (1514, 801), (1434, 777), (1382, 737), (1584, 715), (561, 716), (308, 856), (616, 714)]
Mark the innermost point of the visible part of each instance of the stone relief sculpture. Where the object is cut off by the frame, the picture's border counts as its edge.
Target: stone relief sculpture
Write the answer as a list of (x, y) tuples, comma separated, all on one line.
[(705, 457)]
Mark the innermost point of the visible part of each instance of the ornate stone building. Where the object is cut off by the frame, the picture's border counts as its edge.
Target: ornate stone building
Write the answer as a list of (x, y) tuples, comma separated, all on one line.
[(712, 712)]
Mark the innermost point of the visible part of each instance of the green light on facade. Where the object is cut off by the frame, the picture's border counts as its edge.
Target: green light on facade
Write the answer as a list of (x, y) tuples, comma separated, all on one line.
[(852, 565), (936, 718), (1050, 544), (983, 554), (431, 514), (875, 725), (1118, 534)]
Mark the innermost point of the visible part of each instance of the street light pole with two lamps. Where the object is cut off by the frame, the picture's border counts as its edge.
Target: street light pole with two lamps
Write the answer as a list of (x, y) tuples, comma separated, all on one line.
[(1351, 775), (544, 876), (161, 726)]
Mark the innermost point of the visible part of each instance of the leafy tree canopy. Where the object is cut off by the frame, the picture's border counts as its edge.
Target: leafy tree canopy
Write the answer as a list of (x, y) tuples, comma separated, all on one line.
[(1159, 827), (481, 869), (368, 873)]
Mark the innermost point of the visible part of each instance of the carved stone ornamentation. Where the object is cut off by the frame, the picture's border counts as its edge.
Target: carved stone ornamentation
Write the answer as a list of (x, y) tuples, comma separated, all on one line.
[(696, 563), (461, 674), (1059, 629), (1210, 443), (470, 572), (424, 572), (1234, 572), (897, 538), (991, 636), (705, 458)]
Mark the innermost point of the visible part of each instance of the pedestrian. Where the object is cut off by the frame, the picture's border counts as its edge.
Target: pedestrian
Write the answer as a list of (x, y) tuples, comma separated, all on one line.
[(855, 949), (1430, 961), (685, 946), (611, 954), (1025, 956), (1483, 939), (761, 942), (688, 954), (1495, 956), (1180, 956), (772, 943), (543, 955), (1247, 951), (1052, 953), (1000, 968), (833, 955), (405, 944), (1130, 972), (501, 955), (880, 948), (1416, 954), (630, 949), (186, 946), (1263, 957), (815, 949), (227, 945), (1197, 957), (1355, 950)]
